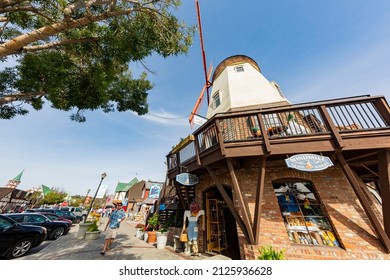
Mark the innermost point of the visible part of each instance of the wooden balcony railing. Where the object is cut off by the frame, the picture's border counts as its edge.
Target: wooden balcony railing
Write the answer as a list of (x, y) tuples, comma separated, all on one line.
[(339, 116)]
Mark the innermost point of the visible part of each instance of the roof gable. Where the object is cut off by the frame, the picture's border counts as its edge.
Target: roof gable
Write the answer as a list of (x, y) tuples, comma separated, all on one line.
[(124, 187)]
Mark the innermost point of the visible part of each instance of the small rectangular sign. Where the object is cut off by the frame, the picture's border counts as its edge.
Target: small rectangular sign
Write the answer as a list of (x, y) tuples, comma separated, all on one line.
[(198, 120)]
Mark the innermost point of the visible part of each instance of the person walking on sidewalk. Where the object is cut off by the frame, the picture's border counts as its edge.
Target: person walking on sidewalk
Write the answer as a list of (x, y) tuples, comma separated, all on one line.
[(116, 217)]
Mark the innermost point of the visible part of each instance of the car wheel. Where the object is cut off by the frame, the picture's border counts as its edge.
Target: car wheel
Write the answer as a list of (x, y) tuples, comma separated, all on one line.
[(57, 233), (20, 248)]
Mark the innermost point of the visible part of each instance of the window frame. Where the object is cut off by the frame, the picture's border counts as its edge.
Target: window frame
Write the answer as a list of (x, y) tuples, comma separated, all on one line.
[(310, 224), (216, 97)]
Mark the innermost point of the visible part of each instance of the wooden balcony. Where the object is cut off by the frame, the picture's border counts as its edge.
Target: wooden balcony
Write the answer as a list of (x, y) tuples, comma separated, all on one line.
[(358, 127)]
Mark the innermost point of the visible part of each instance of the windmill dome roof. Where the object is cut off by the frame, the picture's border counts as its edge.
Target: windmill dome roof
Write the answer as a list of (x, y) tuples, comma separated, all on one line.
[(234, 60)]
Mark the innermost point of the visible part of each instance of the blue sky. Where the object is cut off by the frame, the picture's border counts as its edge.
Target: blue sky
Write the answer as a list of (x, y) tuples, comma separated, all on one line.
[(314, 50)]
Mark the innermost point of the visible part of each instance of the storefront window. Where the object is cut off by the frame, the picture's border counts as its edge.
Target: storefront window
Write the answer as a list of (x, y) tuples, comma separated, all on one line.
[(303, 214)]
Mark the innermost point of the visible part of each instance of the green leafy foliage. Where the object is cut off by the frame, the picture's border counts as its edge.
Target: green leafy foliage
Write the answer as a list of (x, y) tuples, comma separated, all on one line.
[(269, 253), (53, 197), (153, 222), (93, 227), (83, 63)]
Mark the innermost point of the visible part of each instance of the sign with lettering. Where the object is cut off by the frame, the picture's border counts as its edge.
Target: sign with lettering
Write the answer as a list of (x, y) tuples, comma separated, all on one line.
[(199, 120), (187, 179), (309, 162)]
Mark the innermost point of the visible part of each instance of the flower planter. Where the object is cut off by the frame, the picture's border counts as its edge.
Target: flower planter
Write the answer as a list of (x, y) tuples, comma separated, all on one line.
[(91, 235), (162, 238), (152, 237), (82, 230), (138, 232)]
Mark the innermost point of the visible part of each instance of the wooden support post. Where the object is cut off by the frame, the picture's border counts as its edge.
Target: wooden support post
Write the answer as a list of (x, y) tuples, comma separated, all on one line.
[(237, 191), (384, 183), (229, 203), (365, 203), (383, 109), (220, 137), (259, 199), (329, 123), (264, 133), (197, 151)]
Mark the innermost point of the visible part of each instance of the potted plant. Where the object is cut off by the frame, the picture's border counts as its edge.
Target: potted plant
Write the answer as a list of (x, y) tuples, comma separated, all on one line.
[(139, 230), (162, 238), (153, 223), (93, 231), (83, 227)]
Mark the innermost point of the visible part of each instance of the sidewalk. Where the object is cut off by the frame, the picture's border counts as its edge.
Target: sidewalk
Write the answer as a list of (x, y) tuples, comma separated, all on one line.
[(126, 247)]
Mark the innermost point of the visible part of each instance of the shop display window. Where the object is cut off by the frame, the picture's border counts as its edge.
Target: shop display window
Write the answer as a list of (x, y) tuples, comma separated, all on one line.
[(304, 217)]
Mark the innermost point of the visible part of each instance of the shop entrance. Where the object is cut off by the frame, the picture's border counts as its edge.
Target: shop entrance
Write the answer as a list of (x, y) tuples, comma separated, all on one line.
[(221, 227)]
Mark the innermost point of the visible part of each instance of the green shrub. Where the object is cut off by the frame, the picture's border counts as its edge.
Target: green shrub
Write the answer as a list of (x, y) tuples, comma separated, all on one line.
[(269, 253), (93, 226)]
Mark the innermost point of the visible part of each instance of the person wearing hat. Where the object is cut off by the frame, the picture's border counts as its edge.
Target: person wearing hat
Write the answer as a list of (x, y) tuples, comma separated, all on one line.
[(116, 217)]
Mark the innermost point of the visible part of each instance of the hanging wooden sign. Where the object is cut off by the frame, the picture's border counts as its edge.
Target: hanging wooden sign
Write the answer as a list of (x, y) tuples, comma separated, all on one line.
[(187, 179), (308, 162)]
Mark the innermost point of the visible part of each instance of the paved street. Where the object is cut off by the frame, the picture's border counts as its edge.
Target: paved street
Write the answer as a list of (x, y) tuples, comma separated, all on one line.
[(125, 247)]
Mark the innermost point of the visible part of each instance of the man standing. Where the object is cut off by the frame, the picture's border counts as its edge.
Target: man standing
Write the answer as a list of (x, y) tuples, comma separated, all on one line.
[(116, 217)]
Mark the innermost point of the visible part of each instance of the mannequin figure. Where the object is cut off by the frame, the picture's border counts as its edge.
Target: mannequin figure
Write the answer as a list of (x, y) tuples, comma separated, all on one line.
[(191, 247)]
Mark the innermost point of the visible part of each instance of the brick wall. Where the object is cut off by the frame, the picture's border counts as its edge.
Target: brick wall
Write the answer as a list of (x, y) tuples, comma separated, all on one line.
[(351, 224)]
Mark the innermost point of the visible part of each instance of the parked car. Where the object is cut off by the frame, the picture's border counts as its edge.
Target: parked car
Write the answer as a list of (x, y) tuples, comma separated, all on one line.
[(75, 210), (66, 214), (16, 239), (55, 229), (55, 217)]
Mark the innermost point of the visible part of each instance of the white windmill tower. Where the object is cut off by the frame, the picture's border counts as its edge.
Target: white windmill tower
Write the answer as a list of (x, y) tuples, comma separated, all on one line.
[(237, 84)]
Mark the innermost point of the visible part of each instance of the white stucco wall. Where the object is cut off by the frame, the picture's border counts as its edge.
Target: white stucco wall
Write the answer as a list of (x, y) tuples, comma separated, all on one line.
[(242, 89)]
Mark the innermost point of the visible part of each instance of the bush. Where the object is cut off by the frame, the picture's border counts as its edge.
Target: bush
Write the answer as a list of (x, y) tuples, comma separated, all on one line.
[(93, 226), (269, 253)]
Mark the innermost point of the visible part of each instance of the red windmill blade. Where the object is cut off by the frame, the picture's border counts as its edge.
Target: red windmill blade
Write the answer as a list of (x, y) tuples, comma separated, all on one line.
[(206, 74), (200, 98)]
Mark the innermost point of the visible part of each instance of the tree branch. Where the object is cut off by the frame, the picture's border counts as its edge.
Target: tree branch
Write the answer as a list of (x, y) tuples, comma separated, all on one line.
[(8, 3), (19, 97), (17, 44), (56, 44)]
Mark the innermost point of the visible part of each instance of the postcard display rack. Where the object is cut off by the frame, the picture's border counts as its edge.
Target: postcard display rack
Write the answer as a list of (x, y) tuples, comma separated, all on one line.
[(304, 219), (216, 234)]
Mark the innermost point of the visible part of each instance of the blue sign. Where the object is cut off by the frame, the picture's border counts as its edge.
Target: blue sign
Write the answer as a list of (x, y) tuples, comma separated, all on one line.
[(154, 191), (187, 179), (309, 162)]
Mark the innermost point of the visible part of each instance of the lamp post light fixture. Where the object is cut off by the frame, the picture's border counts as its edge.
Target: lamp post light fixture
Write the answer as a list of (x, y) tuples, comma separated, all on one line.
[(93, 200)]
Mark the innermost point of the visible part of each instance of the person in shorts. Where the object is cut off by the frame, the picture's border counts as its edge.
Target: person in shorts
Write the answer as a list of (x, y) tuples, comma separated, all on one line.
[(116, 217)]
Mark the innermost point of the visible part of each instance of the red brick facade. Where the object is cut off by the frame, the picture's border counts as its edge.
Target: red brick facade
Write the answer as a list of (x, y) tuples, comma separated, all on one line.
[(351, 224)]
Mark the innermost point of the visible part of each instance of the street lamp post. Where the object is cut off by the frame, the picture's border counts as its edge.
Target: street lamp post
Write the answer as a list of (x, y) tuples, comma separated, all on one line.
[(93, 200)]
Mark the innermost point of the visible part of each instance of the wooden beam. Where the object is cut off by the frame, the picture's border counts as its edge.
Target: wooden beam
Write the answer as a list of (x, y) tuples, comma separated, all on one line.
[(220, 138), (383, 109), (259, 199), (332, 127), (264, 134), (384, 183), (197, 151), (362, 156), (383, 237), (229, 203), (238, 193)]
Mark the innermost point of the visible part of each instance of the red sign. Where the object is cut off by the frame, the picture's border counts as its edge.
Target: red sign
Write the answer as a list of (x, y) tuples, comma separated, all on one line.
[(87, 199)]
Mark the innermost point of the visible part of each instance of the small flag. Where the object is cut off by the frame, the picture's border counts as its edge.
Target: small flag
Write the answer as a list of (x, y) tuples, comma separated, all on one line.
[(45, 190)]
